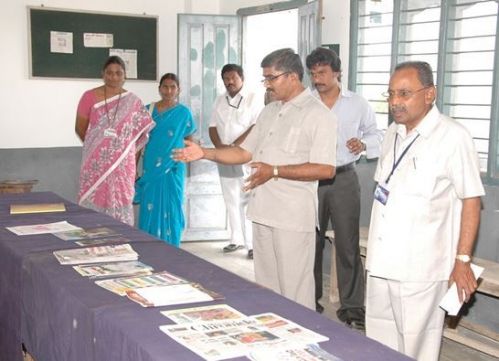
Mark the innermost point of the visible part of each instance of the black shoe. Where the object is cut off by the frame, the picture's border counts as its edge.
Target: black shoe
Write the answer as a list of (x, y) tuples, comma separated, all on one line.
[(231, 248), (356, 324), (318, 307), (250, 254)]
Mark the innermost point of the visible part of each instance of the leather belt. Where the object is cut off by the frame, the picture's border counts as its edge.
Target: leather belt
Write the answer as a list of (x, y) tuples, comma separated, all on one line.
[(339, 170)]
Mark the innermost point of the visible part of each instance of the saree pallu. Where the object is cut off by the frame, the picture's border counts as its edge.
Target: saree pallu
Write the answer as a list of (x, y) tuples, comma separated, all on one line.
[(108, 167), (160, 189)]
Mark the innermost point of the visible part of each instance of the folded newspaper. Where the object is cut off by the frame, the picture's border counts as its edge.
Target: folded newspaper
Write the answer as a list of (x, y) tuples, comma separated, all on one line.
[(222, 339), (118, 252), (114, 269)]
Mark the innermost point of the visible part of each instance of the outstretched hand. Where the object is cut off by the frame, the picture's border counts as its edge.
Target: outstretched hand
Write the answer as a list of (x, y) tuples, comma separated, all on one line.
[(260, 173), (466, 283), (191, 152)]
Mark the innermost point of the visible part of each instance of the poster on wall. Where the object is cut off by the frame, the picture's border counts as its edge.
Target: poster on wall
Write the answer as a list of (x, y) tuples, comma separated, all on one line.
[(61, 42), (129, 56)]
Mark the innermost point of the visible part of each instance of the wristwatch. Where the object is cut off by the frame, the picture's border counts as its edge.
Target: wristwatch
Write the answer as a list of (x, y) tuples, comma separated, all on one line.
[(276, 173), (463, 258)]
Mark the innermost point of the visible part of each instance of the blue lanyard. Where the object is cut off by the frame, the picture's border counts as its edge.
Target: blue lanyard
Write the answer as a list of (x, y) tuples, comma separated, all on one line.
[(396, 163)]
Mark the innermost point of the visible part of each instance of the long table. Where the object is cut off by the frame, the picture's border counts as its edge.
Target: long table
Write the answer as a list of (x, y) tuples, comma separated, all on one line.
[(60, 315)]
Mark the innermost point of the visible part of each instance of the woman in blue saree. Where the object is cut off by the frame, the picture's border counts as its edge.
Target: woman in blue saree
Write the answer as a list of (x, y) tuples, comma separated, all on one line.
[(160, 189)]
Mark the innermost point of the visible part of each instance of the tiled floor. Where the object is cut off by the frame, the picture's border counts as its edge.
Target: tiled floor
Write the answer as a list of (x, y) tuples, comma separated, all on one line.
[(238, 263)]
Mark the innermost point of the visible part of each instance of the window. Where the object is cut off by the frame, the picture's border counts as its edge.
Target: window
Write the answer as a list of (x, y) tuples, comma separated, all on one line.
[(458, 38)]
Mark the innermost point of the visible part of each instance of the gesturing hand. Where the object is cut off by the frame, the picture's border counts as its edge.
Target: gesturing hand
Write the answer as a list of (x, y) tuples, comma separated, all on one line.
[(192, 151), (260, 173)]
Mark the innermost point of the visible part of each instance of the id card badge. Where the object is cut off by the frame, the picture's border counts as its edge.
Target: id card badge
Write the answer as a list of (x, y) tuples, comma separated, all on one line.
[(110, 133), (381, 193)]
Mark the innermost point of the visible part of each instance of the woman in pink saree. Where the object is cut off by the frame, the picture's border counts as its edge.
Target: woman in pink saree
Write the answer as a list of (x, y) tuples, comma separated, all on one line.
[(113, 125)]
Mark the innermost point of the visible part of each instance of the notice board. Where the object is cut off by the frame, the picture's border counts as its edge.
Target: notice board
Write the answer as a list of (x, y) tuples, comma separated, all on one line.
[(74, 44)]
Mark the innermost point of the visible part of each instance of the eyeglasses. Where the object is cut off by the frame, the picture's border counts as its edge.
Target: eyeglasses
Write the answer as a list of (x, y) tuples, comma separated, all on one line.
[(234, 106), (404, 93), (271, 78)]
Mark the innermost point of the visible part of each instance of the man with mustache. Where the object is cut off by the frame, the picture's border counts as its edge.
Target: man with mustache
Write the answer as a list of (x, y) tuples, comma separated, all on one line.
[(424, 218), (292, 145), (234, 114), (339, 198)]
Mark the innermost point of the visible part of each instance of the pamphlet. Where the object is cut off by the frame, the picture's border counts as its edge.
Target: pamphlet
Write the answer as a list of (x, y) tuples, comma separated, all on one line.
[(114, 269), (156, 296), (43, 228), (87, 233), (450, 302), (123, 284), (203, 314), (118, 252)]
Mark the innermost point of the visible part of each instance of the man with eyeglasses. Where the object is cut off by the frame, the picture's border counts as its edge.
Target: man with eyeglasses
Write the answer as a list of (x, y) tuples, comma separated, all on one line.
[(424, 218), (234, 114), (339, 197), (292, 145)]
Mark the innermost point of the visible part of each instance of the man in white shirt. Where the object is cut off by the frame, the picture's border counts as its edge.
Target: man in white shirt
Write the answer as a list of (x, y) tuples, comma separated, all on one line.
[(234, 114), (292, 145), (339, 198), (424, 218)]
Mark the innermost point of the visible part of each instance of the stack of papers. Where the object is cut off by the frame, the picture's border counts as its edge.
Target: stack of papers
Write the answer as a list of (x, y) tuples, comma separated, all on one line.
[(115, 269), (119, 252)]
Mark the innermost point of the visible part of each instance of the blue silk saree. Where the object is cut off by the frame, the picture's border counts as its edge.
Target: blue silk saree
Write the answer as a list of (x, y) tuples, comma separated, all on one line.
[(160, 189)]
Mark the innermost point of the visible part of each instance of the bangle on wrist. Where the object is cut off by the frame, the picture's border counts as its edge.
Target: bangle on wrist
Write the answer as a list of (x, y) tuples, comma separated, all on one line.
[(276, 172)]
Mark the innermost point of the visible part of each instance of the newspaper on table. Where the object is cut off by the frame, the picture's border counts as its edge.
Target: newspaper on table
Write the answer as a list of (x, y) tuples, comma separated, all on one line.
[(203, 313), (180, 294), (123, 284), (97, 241), (114, 269), (117, 252), (306, 353), (222, 339), (43, 228), (86, 233)]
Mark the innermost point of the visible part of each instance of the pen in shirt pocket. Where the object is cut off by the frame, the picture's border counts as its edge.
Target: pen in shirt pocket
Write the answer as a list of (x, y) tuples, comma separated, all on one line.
[(414, 162)]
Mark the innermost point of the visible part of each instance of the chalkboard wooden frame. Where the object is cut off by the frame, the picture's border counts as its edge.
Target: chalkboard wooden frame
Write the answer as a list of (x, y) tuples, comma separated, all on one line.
[(138, 32)]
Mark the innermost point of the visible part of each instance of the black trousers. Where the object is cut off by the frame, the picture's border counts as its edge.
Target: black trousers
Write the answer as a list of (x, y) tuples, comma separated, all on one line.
[(339, 202)]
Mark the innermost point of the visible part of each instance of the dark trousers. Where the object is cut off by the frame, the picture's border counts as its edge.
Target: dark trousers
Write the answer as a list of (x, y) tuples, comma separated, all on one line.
[(339, 202)]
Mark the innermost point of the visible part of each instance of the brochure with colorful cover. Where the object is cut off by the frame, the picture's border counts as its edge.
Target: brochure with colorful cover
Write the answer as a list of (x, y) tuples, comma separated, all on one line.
[(123, 284), (117, 252), (203, 314), (114, 269), (180, 294)]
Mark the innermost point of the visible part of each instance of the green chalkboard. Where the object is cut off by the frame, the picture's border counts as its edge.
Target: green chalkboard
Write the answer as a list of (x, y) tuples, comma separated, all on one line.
[(130, 32)]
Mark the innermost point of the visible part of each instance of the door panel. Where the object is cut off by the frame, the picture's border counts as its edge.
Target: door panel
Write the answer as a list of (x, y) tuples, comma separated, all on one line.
[(309, 32), (205, 44)]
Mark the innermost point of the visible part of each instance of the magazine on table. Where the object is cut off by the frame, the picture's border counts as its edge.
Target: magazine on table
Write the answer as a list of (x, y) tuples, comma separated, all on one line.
[(222, 339), (203, 314), (306, 353), (97, 241), (114, 269), (43, 228), (99, 254), (180, 294), (37, 208), (86, 233), (123, 284)]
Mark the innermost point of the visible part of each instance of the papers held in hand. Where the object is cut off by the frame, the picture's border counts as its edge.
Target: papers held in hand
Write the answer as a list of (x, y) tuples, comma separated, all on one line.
[(450, 302), (37, 208)]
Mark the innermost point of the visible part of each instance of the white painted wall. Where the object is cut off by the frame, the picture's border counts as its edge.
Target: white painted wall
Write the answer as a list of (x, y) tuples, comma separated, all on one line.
[(40, 113)]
